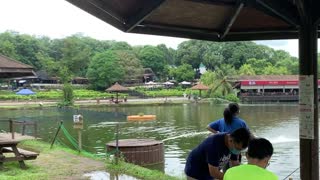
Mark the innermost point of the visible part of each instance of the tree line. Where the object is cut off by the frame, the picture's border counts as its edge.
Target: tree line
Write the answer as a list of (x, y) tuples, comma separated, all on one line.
[(104, 62)]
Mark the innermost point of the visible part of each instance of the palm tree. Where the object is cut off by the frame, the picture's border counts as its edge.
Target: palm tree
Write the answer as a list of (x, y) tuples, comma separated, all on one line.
[(217, 80)]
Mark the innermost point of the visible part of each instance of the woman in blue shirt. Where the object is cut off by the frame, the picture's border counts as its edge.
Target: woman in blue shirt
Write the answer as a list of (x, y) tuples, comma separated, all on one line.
[(229, 122)]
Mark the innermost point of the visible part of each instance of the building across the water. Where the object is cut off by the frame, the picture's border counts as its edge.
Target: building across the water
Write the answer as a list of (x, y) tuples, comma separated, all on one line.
[(268, 88)]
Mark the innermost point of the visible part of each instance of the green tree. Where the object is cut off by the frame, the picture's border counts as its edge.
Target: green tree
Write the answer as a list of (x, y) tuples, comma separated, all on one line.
[(291, 64), (213, 60), (217, 80), (8, 49), (133, 69), (104, 70), (246, 69), (152, 57), (271, 70), (258, 65), (75, 55), (184, 72), (114, 45), (190, 52), (68, 98), (169, 54)]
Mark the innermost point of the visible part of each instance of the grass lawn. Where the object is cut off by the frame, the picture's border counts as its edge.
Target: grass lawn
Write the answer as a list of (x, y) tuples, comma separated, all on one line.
[(64, 163)]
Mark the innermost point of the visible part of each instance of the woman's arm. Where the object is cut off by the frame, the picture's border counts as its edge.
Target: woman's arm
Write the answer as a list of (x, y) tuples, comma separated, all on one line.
[(214, 126), (212, 130)]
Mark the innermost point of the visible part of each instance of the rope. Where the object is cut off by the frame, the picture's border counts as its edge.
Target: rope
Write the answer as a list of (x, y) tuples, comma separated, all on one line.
[(291, 173)]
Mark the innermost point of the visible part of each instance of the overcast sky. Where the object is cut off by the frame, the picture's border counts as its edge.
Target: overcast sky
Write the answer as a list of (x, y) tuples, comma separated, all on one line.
[(58, 19)]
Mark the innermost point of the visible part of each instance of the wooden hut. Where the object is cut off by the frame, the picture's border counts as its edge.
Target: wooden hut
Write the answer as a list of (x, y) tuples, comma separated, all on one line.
[(10, 68)]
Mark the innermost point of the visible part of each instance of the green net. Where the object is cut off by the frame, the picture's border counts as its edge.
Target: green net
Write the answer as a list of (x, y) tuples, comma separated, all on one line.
[(75, 144)]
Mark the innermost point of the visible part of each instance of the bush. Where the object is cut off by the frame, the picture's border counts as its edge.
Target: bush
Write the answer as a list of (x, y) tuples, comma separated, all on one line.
[(232, 97), (67, 95), (163, 92)]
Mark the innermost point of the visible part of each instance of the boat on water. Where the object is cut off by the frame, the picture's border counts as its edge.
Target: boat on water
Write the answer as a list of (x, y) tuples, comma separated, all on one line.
[(141, 117)]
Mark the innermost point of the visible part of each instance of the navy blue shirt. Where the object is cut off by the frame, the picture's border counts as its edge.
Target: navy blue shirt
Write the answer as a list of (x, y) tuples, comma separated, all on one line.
[(211, 151), (221, 126)]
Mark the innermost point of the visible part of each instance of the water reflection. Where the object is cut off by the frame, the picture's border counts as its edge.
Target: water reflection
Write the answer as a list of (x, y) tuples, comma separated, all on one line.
[(181, 126), (101, 175)]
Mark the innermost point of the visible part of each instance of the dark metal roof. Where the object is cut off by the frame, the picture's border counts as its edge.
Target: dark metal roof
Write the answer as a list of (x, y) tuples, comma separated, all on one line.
[(10, 68), (217, 20)]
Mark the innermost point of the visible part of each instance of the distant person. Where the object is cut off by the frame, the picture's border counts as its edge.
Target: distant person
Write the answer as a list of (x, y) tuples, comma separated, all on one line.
[(259, 153), (207, 160), (229, 122)]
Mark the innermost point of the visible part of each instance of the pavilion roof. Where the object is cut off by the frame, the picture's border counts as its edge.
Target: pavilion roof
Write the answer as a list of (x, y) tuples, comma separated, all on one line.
[(216, 20)]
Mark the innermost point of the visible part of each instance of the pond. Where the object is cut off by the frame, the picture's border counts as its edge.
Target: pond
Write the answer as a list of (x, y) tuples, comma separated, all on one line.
[(181, 127)]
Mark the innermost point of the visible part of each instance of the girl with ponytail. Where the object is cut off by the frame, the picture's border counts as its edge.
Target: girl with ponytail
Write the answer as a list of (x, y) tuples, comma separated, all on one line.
[(229, 122)]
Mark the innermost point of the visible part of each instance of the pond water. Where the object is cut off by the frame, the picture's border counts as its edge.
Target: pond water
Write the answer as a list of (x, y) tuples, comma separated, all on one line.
[(182, 127)]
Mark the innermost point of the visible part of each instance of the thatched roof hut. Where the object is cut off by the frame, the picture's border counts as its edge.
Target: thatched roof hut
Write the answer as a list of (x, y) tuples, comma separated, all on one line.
[(117, 88), (200, 87)]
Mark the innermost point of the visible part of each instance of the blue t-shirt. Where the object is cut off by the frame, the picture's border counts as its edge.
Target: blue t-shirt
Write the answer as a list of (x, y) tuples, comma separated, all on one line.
[(221, 126), (211, 151)]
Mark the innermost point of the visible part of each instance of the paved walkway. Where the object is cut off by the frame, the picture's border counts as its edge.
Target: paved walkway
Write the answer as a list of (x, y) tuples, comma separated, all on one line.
[(93, 101)]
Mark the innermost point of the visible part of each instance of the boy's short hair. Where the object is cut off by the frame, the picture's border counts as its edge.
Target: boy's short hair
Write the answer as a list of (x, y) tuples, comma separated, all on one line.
[(241, 135), (260, 148)]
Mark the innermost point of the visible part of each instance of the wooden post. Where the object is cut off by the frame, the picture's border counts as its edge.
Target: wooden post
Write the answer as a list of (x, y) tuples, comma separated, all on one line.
[(80, 139), (11, 128), (78, 124), (308, 97), (35, 130), (54, 139), (117, 154), (23, 128)]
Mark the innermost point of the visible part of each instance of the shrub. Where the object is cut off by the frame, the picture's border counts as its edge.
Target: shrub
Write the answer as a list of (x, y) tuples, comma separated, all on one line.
[(67, 95), (232, 97)]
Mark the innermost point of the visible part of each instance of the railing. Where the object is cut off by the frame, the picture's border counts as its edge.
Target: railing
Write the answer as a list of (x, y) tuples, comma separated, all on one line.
[(272, 97), (270, 94), (14, 123)]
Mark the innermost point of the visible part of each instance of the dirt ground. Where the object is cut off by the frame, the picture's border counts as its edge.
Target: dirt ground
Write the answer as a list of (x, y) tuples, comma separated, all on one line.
[(63, 165)]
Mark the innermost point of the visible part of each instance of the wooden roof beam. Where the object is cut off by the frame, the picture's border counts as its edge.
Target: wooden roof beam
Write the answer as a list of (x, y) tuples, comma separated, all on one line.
[(316, 12), (302, 10), (213, 35), (280, 9), (100, 11), (215, 2), (103, 7), (180, 28), (177, 31), (231, 20), (145, 11)]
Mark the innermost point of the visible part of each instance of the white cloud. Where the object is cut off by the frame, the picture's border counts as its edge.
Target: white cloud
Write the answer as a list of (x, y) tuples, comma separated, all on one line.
[(58, 19), (290, 46)]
